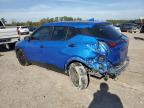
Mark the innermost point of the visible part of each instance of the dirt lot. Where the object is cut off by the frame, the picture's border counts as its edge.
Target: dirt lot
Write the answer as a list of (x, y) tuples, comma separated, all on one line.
[(37, 87)]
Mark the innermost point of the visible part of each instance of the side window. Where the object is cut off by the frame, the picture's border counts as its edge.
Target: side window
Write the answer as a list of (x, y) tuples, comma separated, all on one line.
[(43, 33), (59, 33), (72, 32)]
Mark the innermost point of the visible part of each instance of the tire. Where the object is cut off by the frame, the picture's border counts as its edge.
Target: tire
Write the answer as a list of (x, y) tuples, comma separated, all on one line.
[(78, 75), (21, 58)]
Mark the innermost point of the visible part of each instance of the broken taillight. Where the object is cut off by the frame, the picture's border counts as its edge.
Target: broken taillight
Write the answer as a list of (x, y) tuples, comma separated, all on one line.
[(112, 44)]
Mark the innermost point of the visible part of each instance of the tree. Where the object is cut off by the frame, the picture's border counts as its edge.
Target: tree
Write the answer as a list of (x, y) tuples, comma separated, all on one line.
[(3, 20), (45, 20), (117, 22), (56, 18)]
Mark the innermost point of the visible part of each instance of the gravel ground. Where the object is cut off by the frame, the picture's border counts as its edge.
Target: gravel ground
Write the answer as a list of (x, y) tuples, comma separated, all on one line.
[(37, 87)]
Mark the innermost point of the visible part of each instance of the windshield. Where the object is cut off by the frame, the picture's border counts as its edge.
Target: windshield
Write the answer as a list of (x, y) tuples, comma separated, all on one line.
[(106, 31)]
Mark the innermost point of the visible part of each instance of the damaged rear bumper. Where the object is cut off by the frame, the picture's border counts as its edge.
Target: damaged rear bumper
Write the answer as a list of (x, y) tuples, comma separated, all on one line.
[(113, 71), (117, 70)]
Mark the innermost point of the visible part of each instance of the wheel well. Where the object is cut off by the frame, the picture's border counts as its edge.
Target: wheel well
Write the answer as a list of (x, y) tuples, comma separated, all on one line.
[(86, 78), (17, 49), (78, 62)]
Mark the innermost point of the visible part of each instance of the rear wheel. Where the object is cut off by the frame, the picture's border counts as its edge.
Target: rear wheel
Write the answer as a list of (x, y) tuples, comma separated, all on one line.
[(78, 75), (21, 58)]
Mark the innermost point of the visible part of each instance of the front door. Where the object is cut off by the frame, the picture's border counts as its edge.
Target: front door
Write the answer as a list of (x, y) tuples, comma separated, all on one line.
[(35, 50)]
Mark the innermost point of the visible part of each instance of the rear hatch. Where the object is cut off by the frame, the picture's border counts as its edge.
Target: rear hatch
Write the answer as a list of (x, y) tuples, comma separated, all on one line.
[(118, 50), (117, 42)]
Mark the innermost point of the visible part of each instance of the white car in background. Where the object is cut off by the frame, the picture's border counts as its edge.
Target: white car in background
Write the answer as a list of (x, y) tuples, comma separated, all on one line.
[(22, 30)]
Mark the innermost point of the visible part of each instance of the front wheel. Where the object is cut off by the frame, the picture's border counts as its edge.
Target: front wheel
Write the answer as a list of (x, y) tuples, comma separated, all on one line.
[(78, 75), (21, 58)]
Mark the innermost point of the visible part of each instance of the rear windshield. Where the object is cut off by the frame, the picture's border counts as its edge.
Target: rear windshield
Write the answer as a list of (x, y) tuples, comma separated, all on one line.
[(106, 31)]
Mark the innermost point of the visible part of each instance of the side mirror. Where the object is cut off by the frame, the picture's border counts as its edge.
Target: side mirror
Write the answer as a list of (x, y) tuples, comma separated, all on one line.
[(28, 38)]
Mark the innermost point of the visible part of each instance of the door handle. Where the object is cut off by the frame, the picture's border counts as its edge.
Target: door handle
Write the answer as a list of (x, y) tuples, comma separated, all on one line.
[(41, 46), (71, 45)]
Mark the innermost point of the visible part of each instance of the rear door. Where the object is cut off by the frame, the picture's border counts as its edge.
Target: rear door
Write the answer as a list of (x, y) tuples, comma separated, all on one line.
[(54, 49)]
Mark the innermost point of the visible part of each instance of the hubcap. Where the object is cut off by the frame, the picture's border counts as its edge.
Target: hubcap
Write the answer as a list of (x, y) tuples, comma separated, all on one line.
[(74, 76)]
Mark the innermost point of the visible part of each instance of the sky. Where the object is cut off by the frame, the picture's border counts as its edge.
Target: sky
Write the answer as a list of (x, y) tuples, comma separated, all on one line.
[(33, 10)]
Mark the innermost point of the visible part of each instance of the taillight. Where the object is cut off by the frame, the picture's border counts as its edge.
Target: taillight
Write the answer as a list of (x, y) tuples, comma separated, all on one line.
[(112, 44)]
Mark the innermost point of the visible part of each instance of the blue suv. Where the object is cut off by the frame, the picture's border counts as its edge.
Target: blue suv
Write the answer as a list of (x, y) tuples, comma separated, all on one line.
[(80, 49)]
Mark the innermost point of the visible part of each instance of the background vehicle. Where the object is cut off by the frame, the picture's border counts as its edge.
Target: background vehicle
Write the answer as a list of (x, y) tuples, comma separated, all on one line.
[(130, 27), (22, 30), (8, 36), (79, 48)]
